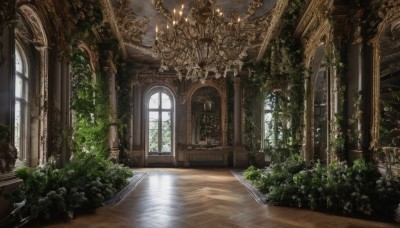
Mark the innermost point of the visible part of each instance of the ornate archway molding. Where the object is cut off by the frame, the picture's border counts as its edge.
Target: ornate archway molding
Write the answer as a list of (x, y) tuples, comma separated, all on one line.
[(220, 86), (41, 43), (314, 30)]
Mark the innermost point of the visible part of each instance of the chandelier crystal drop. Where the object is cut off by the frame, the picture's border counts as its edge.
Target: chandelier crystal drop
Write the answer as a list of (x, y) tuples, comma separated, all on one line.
[(204, 43)]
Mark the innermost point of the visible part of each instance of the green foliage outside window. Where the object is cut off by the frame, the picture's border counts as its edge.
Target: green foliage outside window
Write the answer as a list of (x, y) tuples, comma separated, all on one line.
[(90, 106)]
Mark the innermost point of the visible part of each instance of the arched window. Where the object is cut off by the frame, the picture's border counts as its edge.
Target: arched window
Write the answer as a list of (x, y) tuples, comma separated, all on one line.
[(160, 122), (21, 103)]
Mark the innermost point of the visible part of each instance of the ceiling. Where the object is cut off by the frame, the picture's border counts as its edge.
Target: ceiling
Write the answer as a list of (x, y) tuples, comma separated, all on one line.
[(136, 20)]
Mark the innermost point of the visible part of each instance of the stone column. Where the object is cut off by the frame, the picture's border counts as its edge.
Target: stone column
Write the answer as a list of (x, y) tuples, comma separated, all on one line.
[(113, 142), (137, 118), (54, 118), (354, 92), (237, 115), (65, 109), (240, 158), (137, 126)]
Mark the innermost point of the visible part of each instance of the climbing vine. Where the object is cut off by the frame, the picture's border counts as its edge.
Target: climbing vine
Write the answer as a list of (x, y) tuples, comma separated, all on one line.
[(280, 75), (337, 136), (85, 14), (90, 106), (123, 90)]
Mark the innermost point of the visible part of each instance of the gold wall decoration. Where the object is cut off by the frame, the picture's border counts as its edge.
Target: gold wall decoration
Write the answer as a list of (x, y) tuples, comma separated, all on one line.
[(388, 11), (130, 26)]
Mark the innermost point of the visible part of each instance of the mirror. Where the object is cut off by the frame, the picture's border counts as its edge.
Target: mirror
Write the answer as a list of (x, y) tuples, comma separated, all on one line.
[(389, 129), (320, 115), (206, 117)]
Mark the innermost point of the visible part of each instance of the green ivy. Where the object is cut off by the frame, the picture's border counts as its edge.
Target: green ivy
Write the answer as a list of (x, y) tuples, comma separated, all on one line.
[(338, 187), (123, 90), (90, 106), (337, 125), (86, 14), (83, 184), (283, 68)]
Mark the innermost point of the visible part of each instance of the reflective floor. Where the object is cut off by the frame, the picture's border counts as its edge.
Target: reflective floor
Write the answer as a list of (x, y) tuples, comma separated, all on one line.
[(203, 198)]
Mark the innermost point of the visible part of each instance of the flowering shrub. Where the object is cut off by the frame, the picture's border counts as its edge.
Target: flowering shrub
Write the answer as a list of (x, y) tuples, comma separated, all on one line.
[(83, 184), (338, 187)]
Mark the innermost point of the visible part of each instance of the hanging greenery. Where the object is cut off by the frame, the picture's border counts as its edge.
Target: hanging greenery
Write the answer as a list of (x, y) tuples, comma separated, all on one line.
[(123, 90), (90, 106), (86, 14), (280, 74), (337, 124)]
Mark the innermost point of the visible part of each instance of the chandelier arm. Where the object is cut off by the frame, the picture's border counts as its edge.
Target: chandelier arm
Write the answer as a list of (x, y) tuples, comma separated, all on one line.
[(253, 6), (158, 4)]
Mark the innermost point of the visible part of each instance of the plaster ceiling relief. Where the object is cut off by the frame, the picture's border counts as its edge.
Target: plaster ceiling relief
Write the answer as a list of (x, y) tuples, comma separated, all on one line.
[(136, 21)]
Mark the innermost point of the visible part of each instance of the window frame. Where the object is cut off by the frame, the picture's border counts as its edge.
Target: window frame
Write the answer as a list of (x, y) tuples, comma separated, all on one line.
[(23, 101), (160, 90)]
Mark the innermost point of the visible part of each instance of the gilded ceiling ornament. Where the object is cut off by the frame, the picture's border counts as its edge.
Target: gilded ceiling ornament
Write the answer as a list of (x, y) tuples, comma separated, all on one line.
[(131, 28)]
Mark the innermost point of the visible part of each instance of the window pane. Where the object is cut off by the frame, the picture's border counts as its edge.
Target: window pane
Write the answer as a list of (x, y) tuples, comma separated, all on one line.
[(166, 132), (154, 101), (153, 131), (18, 87), (165, 101), (25, 90), (17, 126), (18, 62)]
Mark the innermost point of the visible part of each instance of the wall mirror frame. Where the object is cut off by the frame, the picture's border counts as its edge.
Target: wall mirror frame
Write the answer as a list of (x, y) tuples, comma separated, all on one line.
[(220, 107), (391, 12), (316, 45)]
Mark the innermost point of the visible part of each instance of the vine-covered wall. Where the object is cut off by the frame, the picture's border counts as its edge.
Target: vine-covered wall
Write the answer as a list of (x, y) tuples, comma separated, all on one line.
[(280, 78), (90, 106)]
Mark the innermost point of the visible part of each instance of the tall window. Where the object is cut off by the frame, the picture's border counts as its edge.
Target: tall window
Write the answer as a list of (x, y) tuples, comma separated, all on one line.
[(160, 109), (21, 103), (269, 126)]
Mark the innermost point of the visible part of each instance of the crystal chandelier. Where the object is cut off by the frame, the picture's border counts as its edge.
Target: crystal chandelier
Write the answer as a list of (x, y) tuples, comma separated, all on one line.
[(204, 43)]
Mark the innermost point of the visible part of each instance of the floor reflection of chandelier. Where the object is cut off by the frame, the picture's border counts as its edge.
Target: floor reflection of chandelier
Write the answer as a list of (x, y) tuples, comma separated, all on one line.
[(205, 42)]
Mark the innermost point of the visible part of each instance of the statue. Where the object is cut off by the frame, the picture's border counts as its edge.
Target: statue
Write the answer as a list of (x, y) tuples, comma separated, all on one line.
[(8, 152)]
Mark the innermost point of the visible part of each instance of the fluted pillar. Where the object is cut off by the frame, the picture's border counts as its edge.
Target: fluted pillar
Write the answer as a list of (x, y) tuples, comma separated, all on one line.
[(113, 140), (237, 115), (240, 158)]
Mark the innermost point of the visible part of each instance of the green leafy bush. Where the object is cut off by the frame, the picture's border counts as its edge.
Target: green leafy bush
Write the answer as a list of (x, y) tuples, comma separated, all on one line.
[(338, 187), (252, 173), (83, 184)]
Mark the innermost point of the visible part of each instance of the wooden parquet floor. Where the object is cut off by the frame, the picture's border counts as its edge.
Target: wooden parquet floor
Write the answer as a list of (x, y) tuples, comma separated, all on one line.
[(202, 198)]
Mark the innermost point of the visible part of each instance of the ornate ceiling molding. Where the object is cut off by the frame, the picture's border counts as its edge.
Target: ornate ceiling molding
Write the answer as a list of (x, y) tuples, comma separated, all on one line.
[(315, 11), (130, 26), (320, 36), (112, 20), (39, 34), (274, 23), (388, 11)]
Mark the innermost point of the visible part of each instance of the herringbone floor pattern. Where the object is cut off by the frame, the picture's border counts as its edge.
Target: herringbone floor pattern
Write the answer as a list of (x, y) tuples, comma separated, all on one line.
[(203, 198)]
